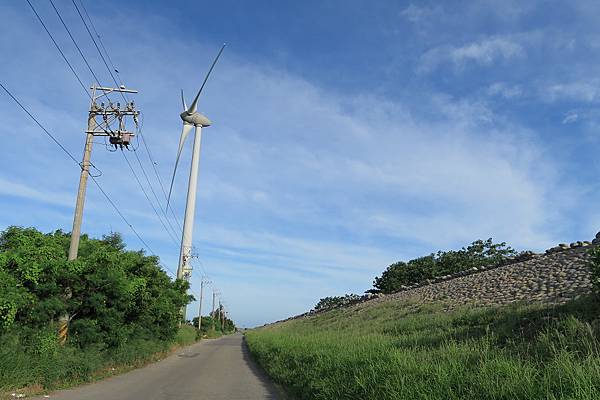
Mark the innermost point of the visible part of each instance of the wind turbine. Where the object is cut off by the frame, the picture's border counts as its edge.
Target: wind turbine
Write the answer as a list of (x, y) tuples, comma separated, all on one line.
[(191, 119)]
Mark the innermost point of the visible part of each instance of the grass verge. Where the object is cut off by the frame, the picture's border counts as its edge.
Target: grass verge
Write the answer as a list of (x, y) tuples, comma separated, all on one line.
[(35, 371), (402, 350)]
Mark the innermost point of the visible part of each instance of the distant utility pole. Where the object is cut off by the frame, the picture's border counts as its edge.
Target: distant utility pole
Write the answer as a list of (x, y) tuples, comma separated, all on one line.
[(213, 303), (202, 283), (110, 114), (222, 315), (220, 318), (212, 313)]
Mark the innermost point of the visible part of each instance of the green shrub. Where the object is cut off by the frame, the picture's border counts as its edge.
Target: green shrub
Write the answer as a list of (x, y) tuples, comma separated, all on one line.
[(593, 264), (186, 335), (477, 254), (328, 303), (111, 294)]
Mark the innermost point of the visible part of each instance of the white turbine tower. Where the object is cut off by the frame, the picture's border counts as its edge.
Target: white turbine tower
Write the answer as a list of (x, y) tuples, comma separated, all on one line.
[(191, 119)]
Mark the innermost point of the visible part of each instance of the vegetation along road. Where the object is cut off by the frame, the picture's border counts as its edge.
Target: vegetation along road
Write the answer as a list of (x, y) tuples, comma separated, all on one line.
[(210, 369)]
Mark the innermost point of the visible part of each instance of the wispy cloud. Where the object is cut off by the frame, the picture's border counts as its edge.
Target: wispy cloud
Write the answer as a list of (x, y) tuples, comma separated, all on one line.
[(584, 90), (24, 191), (417, 14), (483, 52), (504, 90), (571, 117)]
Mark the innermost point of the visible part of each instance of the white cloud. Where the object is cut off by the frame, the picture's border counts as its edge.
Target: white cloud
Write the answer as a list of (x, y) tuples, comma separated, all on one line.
[(504, 90), (417, 14), (570, 118), (21, 190), (581, 90), (483, 52)]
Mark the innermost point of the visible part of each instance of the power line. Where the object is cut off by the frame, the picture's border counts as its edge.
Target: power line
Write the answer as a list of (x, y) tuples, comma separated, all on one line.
[(75, 42), (168, 206), (81, 54), (200, 264), (58, 48), (158, 178), (154, 194), (97, 48), (127, 222), (39, 124), (100, 40), (148, 198), (68, 153), (61, 51)]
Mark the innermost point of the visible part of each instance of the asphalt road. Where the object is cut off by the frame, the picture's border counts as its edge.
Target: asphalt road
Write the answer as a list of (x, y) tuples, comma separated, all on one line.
[(208, 370)]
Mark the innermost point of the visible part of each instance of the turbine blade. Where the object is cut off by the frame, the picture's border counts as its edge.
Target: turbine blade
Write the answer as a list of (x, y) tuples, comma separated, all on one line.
[(184, 134), (192, 108), (183, 101)]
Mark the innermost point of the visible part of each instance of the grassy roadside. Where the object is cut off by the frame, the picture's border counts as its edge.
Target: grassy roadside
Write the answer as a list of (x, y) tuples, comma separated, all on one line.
[(399, 350), (38, 371)]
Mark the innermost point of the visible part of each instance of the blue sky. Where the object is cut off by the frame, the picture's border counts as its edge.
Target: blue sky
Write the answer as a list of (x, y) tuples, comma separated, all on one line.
[(346, 135)]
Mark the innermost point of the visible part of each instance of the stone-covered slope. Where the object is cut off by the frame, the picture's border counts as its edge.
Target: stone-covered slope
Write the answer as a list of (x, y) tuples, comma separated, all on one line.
[(555, 277)]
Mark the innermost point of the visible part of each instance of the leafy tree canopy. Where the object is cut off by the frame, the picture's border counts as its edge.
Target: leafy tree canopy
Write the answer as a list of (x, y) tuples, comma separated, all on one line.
[(330, 302), (477, 254), (111, 294)]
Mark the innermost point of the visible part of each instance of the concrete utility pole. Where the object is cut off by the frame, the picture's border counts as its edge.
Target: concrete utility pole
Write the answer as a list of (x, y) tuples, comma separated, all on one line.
[(110, 114), (221, 316), (202, 283), (120, 137), (212, 313), (85, 171)]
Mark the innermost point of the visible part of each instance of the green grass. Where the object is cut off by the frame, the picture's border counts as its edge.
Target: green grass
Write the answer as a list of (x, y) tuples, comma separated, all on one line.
[(186, 335), (399, 350), (54, 367)]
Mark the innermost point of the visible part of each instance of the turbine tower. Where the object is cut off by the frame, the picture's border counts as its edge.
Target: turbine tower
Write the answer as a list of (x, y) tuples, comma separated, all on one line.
[(191, 119)]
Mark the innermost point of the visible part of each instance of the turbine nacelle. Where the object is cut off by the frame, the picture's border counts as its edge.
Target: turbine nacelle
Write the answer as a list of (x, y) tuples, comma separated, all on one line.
[(195, 119)]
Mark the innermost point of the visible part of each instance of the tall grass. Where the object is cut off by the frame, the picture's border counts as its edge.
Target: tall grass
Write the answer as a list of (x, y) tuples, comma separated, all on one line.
[(399, 350), (52, 366)]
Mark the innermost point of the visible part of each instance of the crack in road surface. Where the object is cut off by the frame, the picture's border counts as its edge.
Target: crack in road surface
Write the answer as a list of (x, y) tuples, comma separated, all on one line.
[(218, 369)]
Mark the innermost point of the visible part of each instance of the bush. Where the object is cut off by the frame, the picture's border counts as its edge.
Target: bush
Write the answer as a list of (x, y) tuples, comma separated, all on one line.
[(211, 325), (593, 264), (477, 254), (328, 303), (111, 294)]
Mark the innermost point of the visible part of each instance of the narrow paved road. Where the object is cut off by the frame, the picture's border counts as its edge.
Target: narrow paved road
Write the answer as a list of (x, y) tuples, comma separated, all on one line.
[(218, 369)]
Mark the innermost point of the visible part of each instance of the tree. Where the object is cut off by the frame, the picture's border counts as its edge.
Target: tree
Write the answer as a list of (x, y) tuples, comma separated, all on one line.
[(113, 295), (593, 263), (328, 303), (477, 254)]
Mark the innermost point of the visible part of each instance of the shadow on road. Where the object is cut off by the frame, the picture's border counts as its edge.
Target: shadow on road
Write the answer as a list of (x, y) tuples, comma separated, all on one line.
[(188, 355), (273, 393)]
